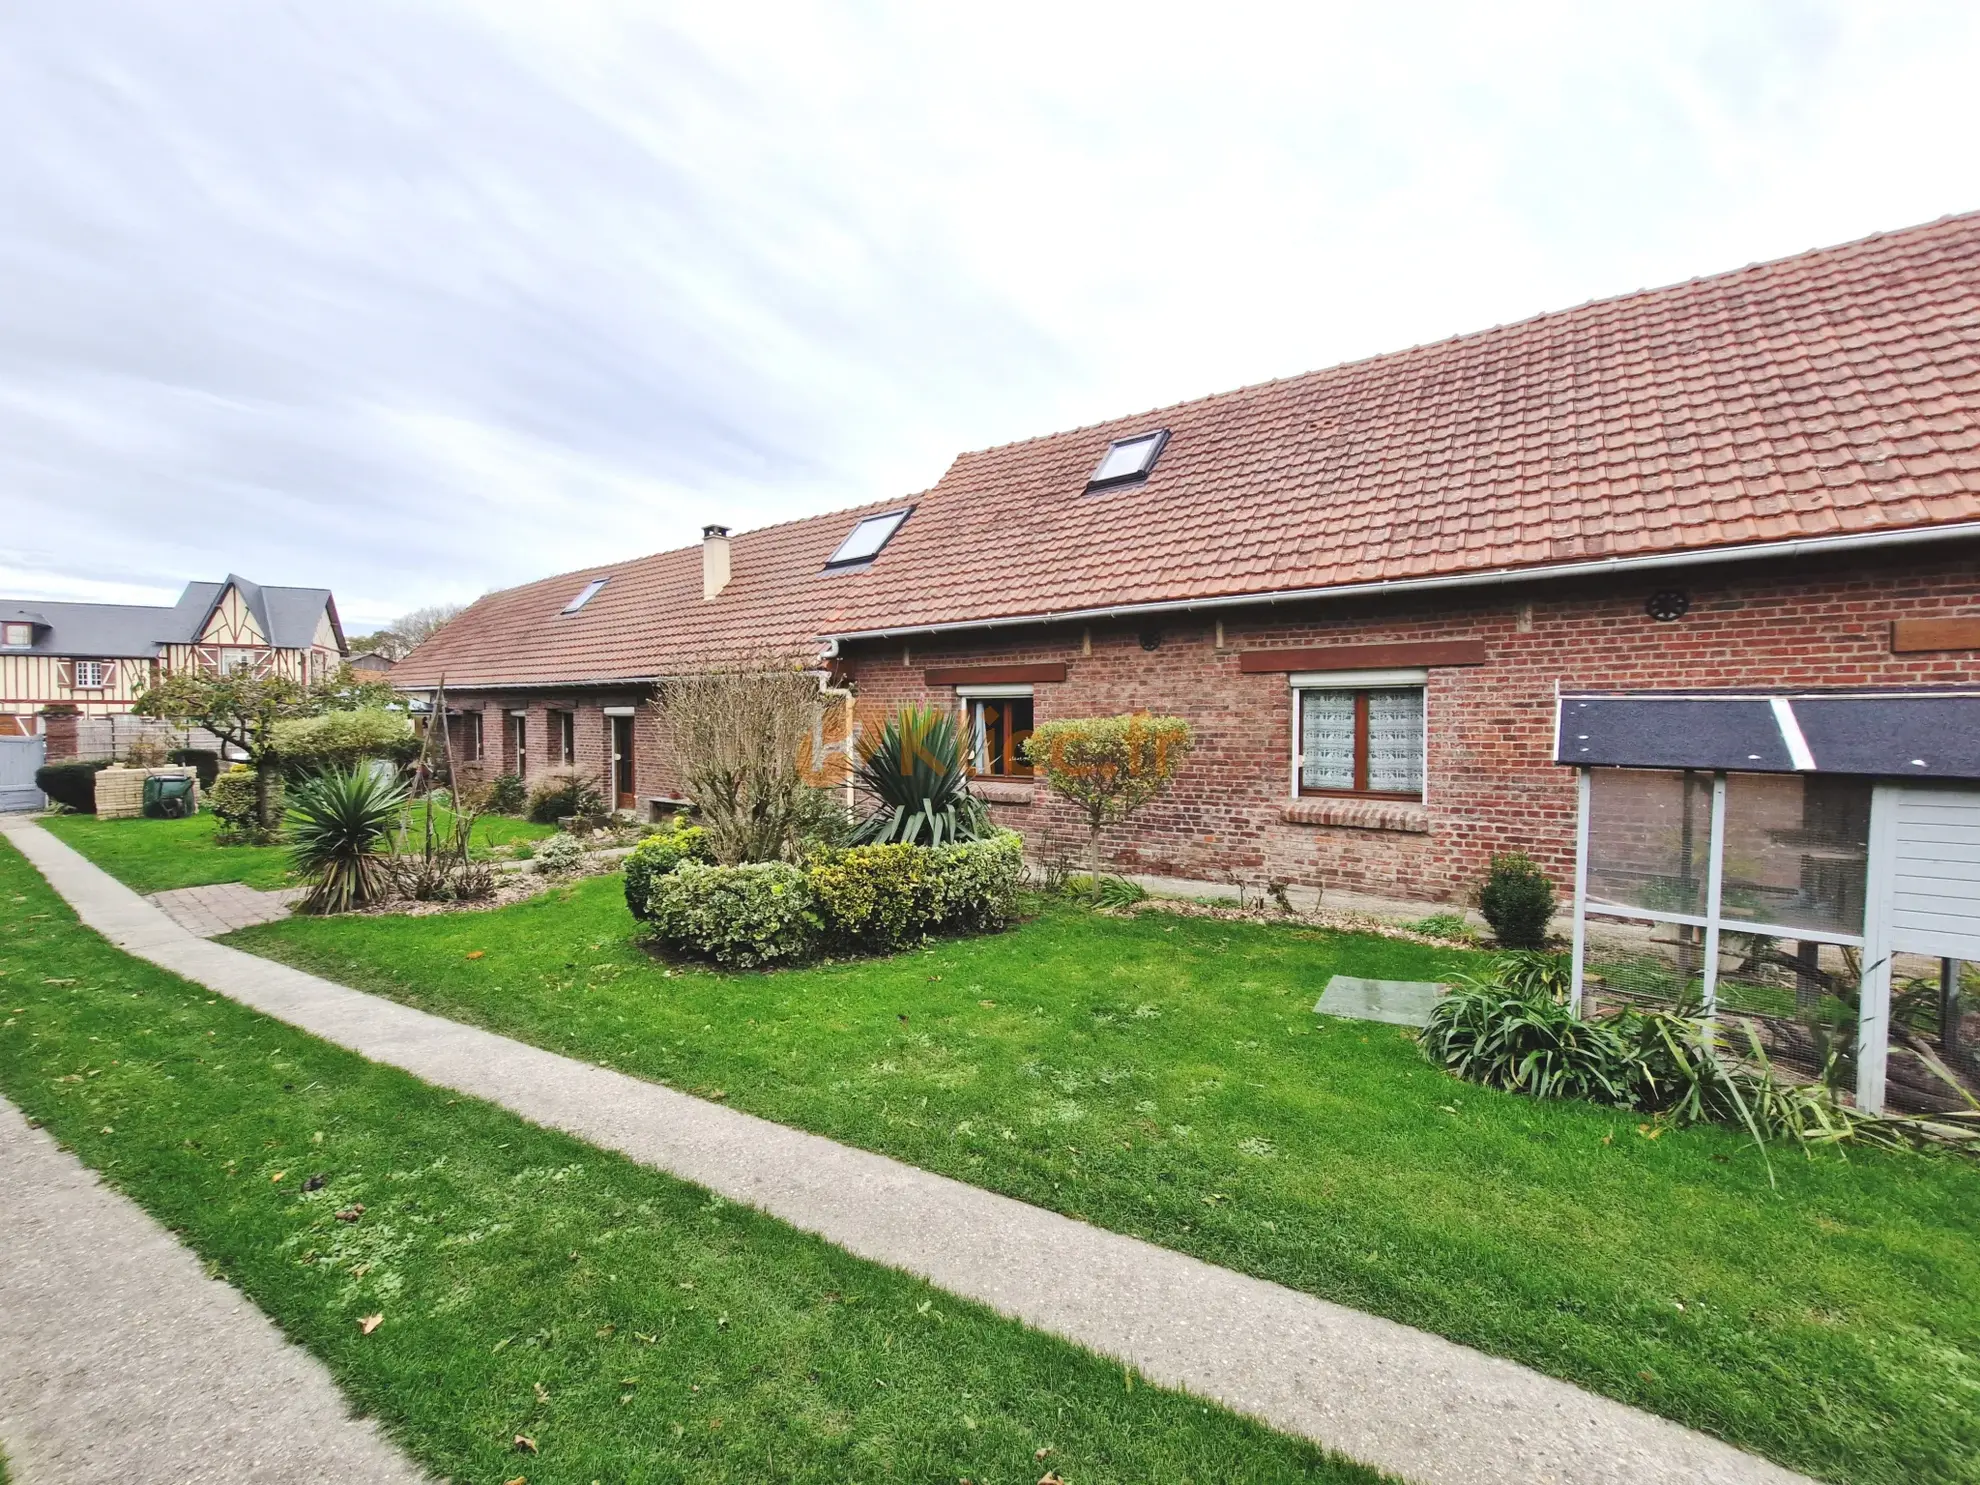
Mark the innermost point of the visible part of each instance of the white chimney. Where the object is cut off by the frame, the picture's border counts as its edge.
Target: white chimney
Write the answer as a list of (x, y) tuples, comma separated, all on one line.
[(714, 561)]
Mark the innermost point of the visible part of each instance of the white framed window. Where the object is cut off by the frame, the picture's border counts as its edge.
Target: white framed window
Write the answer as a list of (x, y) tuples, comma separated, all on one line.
[(470, 737), (997, 720), (91, 675), (1360, 732), (232, 660)]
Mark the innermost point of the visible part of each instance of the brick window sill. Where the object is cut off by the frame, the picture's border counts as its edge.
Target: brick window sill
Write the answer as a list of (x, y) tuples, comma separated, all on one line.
[(1001, 791), (1359, 814)]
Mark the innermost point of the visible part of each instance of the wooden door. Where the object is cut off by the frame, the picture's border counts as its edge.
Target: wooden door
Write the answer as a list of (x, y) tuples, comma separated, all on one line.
[(622, 764)]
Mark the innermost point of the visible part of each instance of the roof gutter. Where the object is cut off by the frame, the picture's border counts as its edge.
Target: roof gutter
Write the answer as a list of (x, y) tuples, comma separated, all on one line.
[(1490, 577)]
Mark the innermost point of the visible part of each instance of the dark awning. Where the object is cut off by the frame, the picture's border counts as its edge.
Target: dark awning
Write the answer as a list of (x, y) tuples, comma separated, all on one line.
[(1908, 734)]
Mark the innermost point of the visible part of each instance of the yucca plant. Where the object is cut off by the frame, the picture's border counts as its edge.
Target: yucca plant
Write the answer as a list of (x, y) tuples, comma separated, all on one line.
[(338, 820), (913, 769)]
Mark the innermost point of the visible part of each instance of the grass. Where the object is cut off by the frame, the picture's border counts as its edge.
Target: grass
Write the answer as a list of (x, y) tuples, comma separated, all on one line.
[(631, 1326), (160, 855), (1166, 1077)]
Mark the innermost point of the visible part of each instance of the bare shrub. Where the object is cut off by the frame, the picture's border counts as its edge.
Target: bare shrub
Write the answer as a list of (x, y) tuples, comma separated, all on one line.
[(745, 735)]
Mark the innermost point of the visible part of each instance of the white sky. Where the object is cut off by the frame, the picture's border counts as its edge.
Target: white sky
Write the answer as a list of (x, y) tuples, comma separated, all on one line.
[(412, 301)]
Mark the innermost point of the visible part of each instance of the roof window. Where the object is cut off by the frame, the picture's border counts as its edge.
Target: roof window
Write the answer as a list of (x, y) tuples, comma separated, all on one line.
[(864, 541), (1129, 459), (589, 592)]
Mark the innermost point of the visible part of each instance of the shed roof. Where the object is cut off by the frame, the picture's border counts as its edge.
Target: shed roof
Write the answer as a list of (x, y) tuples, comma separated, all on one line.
[(1912, 734)]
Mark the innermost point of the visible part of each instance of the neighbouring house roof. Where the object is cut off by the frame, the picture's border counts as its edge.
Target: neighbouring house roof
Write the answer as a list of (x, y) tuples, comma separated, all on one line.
[(1832, 394), (649, 619), (288, 616)]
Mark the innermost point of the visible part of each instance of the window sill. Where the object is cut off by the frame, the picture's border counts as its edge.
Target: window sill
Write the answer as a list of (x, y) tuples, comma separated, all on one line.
[(1001, 791), (1359, 814)]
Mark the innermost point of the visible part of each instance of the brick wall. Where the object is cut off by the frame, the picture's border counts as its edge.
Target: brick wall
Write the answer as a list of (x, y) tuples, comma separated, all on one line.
[(653, 771), (1490, 782)]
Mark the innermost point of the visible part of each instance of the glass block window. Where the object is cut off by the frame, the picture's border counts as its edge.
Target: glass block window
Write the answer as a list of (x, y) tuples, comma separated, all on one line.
[(1361, 741)]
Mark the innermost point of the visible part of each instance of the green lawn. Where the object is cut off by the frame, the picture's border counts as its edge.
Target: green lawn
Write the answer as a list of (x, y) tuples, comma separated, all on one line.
[(159, 855), (632, 1326), (1166, 1077)]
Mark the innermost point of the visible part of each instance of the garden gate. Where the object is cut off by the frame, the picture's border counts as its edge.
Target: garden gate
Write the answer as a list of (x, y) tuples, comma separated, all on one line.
[(19, 758)]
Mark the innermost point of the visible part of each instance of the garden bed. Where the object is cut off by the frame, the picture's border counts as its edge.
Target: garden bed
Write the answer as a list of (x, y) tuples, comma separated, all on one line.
[(1163, 1075)]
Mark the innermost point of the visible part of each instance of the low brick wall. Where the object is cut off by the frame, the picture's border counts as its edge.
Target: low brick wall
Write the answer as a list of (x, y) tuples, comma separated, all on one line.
[(120, 791)]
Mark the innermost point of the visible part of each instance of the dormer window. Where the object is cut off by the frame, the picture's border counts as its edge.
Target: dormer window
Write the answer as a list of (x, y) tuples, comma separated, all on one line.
[(1128, 459), (585, 595), (17, 636), (864, 541)]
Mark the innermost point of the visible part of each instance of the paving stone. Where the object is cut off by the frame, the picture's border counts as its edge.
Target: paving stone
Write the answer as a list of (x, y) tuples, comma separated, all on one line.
[(1396, 1002)]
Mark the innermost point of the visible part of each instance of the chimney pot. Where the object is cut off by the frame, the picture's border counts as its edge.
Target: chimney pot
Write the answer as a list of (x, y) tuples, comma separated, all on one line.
[(714, 561)]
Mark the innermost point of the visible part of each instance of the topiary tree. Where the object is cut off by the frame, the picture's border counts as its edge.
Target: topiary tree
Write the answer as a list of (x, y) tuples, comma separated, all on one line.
[(245, 710), (1517, 900), (1108, 767)]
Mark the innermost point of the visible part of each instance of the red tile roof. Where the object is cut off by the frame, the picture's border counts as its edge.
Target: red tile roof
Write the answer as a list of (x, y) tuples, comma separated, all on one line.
[(1835, 392), (649, 619)]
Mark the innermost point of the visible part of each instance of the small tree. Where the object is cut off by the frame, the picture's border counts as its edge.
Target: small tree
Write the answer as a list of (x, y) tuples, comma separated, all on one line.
[(1109, 767), (743, 735), (1517, 900), (244, 709)]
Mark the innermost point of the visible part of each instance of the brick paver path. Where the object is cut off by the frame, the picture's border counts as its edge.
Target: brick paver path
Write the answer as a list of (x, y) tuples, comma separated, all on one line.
[(208, 912)]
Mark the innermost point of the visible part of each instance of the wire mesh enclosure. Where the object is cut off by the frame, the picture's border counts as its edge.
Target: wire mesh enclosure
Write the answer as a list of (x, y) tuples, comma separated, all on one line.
[(1747, 896)]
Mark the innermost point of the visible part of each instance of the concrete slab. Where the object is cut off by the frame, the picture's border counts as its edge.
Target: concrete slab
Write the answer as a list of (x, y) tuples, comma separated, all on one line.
[(1396, 1002), (1401, 1400), (122, 1363)]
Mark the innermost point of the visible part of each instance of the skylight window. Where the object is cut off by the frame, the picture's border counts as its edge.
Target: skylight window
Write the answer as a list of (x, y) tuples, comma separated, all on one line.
[(1129, 459), (590, 591), (863, 542)]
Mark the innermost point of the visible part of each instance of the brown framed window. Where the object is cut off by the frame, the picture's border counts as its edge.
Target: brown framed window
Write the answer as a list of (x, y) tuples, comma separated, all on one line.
[(17, 636), (1359, 740), (998, 726), (470, 736), (563, 739)]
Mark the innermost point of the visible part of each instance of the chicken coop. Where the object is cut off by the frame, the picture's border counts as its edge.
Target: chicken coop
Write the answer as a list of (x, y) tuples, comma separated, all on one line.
[(1804, 866)]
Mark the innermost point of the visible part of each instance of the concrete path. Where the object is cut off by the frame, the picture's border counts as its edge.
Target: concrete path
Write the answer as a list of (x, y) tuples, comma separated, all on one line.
[(122, 1363), (1399, 1399), (208, 912)]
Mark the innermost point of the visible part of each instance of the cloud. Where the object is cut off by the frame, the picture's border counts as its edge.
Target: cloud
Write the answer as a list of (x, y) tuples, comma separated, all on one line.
[(415, 301)]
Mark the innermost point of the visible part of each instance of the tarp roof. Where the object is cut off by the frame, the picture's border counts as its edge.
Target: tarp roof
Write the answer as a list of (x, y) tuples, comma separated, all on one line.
[(1885, 734)]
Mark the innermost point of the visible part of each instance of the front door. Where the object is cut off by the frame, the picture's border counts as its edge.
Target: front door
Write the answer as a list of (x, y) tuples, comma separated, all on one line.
[(622, 763)]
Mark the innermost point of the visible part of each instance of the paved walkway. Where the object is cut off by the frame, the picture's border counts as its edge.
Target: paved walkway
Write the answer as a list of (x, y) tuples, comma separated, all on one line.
[(208, 912), (1399, 1399), (122, 1363)]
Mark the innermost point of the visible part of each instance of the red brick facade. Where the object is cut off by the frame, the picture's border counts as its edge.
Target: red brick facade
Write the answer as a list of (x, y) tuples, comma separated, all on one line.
[(1490, 782), (654, 778)]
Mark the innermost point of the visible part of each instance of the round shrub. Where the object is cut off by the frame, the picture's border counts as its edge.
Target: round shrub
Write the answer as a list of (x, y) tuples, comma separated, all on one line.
[(561, 796), (745, 917), (976, 885), (231, 800), (559, 856), (1517, 900), (658, 855), (875, 898), (506, 795)]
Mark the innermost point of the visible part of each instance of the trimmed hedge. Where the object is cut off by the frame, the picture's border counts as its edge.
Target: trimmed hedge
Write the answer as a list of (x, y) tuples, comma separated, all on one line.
[(744, 916), (72, 783), (658, 855), (870, 899)]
